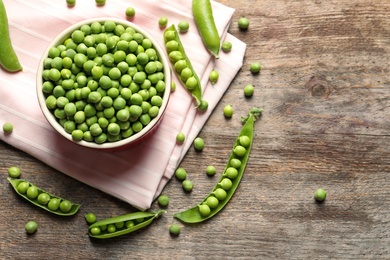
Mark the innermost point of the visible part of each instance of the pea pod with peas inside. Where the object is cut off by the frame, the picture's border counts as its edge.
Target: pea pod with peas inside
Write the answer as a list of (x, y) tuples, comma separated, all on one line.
[(121, 225), (43, 199), (204, 19), (8, 58), (231, 177), (183, 67)]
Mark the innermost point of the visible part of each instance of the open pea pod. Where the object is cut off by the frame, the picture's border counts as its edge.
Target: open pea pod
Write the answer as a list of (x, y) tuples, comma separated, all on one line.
[(51, 204), (230, 179), (182, 66), (101, 229)]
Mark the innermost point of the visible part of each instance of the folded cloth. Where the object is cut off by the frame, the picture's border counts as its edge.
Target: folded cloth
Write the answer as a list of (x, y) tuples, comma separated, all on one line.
[(135, 175)]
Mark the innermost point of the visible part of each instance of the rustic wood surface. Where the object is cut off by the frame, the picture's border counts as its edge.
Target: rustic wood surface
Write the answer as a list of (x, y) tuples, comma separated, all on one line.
[(325, 89)]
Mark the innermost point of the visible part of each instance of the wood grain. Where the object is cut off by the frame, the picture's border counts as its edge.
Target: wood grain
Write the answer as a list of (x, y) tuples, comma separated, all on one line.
[(325, 89)]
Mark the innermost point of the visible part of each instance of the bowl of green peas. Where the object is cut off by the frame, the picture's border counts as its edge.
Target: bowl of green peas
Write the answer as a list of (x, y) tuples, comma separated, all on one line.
[(104, 83)]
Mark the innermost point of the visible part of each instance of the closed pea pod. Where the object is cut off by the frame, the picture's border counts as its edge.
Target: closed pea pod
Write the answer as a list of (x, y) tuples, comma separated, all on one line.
[(43, 199), (132, 222), (182, 65), (204, 19), (228, 182), (8, 58)]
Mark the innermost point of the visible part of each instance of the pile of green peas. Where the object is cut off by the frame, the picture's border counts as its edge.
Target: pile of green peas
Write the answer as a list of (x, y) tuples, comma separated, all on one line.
[(104, 83)]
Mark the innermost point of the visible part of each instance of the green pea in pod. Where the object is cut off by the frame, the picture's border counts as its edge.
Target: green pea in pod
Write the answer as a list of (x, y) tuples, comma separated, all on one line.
[(43, 199), (231, 177), (8, 59), (121, 225), (182, 66)]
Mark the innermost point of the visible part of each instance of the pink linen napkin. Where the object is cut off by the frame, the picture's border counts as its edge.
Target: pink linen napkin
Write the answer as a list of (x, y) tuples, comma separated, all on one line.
[(135, 175)]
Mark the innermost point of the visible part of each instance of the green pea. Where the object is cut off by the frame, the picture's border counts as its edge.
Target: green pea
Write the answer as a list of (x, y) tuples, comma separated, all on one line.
[(43, 198), (130, 12), (163, 200), (239, 150), (226, 184), (204, 210), (212, 202), (181, 173), (228, 111), (129, 224), (54, 204), (191, 83), (187, 185), (22, 187), (100, 2), (174, 229), (244, 140), (90, 218), (14, 172), (65, 206), (180, 137), (77, 135), (210, 170), (95, 231), (231, 173), (243, 23), (220, 194), (198, 144), (163, 21), (31, 227), (226, 46), (249, 90), (183, 26), (32, 192), (255, 67), (320, 195), (214, 75)]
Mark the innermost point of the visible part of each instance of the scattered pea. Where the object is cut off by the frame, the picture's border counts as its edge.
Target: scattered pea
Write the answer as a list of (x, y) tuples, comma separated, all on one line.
[(255, 67), (187, 185), (163, 21), (226, 46), (320, 195), (228, 111), (174, 229), (130, 12), (214, 75), (14, 172), (8, 128), (181, 174), (183, 26), (210, 170), (173, 86), (71, 2), (31, 227), (243, 23), (100, 2), (248, 90), (198, 144), (163, 200), (90, 218), (180, 137)]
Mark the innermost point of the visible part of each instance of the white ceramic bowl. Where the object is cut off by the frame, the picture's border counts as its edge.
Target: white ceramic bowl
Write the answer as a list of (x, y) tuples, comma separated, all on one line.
[(134, 139)]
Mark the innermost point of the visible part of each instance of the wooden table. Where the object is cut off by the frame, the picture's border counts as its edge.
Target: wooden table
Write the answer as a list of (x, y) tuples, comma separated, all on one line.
[(324, 87)]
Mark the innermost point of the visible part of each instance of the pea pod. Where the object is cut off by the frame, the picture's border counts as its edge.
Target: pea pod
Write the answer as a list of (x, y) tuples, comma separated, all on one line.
[(137, 220), (182, 66), (8, 59), (51, 204), (204, 19), (230, 179)]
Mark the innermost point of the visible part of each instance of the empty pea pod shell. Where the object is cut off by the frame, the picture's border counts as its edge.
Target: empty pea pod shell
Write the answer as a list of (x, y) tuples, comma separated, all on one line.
[(204, 19), (144, 218), (73, 210), (196, 91), (8, 59), (193, 215)]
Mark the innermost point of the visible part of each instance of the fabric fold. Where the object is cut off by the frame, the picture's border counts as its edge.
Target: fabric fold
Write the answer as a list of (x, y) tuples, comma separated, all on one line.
[(135, 175)]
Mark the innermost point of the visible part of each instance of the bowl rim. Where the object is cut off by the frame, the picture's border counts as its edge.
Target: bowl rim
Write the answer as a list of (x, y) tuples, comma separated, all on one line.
[(106, 145)]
